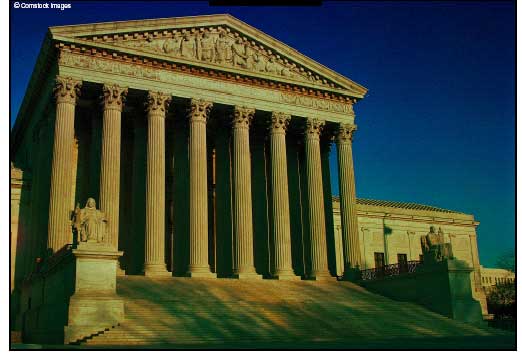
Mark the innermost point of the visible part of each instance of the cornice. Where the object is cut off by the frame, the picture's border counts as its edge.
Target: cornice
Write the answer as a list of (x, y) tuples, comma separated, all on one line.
[(107, 32)]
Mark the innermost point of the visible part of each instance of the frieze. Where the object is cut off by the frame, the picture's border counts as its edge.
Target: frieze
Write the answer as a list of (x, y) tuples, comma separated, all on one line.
[(140, 71), (315, 103), (72, 60), (217, 46)]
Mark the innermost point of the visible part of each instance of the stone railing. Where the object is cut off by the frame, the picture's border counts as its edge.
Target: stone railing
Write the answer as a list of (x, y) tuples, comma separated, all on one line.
[(45, 265), (389, 270)]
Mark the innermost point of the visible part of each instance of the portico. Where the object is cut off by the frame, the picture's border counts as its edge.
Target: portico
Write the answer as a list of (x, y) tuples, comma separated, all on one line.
[(201, 120)]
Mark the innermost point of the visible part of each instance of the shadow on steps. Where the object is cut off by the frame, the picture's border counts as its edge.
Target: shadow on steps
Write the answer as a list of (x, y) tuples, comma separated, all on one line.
[(330, 314)]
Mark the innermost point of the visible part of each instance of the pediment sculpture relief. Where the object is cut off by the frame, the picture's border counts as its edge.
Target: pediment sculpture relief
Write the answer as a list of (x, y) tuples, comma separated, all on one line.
[(221, 47)]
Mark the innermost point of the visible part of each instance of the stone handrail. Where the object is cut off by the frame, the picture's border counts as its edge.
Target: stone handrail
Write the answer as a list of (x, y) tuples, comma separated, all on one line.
[(389, 270)]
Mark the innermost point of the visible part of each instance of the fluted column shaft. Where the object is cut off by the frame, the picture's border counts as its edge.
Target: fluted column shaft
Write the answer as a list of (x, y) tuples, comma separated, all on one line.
[(110, 159), (351, 248), (59, 230), (198, 258), (280, 205), (318, 252), (155, 186), (242, 180)]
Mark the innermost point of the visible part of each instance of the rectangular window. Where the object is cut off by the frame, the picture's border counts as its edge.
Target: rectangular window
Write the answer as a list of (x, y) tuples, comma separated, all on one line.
[(402, 258), (379, 259), (379, 263)]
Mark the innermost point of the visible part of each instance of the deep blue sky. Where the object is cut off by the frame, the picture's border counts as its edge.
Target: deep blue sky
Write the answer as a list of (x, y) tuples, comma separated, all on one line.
[(437, 125)]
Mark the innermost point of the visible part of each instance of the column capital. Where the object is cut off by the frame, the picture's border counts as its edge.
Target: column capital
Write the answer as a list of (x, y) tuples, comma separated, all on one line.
[(326, 139), (113, 96), (345, 133), (314, 127), (67, 90), (279, 122), (242, 117), (157, 103), (199, 110)]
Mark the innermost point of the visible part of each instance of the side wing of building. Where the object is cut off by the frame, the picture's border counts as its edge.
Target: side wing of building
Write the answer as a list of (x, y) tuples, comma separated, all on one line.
[(390, 231)]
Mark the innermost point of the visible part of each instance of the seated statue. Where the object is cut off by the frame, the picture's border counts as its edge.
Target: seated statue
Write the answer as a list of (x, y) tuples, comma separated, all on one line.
[(434, 248), (90, 224)]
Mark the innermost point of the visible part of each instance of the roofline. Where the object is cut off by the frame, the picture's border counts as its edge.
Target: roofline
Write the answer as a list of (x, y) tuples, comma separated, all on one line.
[(454, 214), (104, 27)]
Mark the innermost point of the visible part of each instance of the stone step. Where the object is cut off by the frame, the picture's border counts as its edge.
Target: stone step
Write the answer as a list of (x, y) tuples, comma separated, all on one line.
[(184, 311)]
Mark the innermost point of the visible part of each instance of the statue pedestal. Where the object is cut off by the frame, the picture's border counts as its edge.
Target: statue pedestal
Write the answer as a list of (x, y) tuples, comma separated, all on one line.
[(94, 305), (448, 289)]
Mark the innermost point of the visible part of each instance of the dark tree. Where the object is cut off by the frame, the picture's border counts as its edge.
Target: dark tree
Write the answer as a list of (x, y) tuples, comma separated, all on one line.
[(502, 301), (506, 260)]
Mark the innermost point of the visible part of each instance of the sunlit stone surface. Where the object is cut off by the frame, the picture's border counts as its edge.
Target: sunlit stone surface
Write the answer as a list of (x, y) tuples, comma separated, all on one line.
[(205, 143)]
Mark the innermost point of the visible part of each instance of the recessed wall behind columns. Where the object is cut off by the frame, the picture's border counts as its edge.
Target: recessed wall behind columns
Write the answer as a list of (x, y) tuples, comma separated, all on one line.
[(224, 222), (126, 184), (135, 247), (86, 182), (180, 188), (326, 146), (41, 220), (298, 203), (260, 194)]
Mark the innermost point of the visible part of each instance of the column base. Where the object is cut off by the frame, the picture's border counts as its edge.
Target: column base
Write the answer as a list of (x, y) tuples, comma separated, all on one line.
[(285, 276), (119, 270), (319, 276), (192, 274), (195, 271), (247, 275), (156, 271)]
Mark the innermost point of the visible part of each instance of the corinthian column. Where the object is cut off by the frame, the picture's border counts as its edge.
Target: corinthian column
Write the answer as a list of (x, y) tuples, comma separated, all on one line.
[(157, 104), (351, 248), (66, 92), (280, 206), (319, 268), (243, 228), (198, 259), (113, 97)]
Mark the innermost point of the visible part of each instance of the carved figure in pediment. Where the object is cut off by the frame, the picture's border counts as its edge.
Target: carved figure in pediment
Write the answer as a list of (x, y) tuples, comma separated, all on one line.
[(223, 48), (271, 66), (259, 62), (172, 46), (188, 46), (206, 45), (249, 57), (290, 71), (90, 223), (238, 53)]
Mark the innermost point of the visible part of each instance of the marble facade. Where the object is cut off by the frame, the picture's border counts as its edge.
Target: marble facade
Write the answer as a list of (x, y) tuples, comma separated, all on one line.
[(205, 142)]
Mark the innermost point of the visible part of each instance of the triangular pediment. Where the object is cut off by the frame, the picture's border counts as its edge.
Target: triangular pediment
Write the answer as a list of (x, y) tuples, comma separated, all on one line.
[(219, 42)]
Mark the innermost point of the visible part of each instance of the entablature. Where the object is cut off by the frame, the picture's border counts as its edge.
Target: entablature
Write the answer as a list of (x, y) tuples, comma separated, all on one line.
[(218, 43)]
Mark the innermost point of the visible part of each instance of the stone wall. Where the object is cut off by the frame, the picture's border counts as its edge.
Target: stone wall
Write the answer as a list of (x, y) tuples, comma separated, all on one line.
[(393, 231), (44, 304), (444, 288)]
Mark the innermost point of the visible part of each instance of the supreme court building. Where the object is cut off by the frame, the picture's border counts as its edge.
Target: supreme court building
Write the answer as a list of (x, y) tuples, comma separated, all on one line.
[(205, 143)]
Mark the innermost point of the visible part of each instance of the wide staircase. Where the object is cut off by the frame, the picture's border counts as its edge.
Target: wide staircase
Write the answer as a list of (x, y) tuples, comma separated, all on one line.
[(185, 313)]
